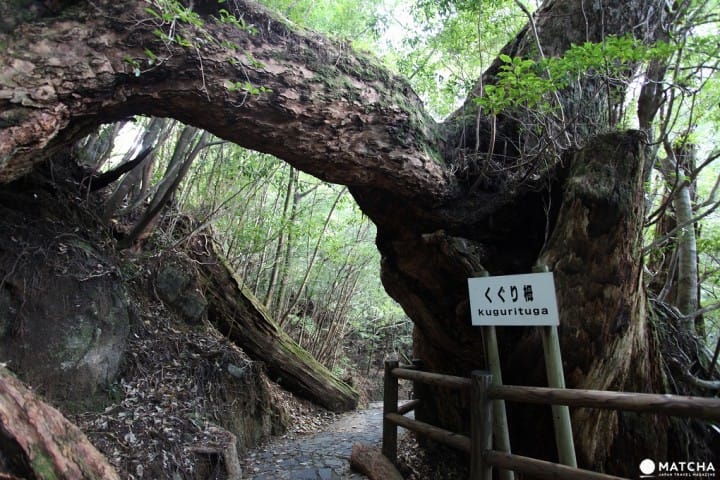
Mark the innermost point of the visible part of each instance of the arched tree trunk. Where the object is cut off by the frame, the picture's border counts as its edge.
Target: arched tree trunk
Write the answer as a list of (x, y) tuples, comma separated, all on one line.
[(444, 207)]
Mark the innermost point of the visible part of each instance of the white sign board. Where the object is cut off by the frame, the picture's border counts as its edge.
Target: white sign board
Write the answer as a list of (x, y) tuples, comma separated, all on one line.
[(514, 300)]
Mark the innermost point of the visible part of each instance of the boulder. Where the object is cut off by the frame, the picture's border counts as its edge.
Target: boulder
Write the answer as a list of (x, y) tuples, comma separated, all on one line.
[(176, 286), (63, 315)]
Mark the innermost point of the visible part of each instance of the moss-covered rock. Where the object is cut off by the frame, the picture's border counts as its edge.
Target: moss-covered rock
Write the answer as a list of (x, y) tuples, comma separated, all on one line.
[(63, 308), (64, 332), (177, 287)]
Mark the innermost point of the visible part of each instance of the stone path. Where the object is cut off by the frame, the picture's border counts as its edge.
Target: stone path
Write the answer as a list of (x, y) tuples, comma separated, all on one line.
[(319, 456)]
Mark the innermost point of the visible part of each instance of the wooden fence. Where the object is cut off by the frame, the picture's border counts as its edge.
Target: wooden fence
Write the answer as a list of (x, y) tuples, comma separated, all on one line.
[(482, 393)]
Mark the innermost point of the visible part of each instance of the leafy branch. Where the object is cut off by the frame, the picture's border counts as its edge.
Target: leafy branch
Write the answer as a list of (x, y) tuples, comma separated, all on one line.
[(523, 82), (246, 86)]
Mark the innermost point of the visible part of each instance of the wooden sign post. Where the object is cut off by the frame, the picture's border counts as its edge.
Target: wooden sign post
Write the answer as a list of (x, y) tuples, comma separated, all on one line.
[(556, 379), (501, 432), (523, 300)]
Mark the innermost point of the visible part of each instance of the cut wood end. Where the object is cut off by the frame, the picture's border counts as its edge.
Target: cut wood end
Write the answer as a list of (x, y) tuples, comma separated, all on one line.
[(371, 462)]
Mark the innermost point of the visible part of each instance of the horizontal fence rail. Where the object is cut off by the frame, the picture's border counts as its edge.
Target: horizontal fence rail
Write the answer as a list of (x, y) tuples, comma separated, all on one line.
[(436, 379), (446, 437), (541, 468), (408, 406), (661, 404), (479, 445)]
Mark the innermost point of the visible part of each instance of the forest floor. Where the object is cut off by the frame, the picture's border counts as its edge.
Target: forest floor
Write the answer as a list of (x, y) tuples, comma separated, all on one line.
[(170, 413), (152, 429)]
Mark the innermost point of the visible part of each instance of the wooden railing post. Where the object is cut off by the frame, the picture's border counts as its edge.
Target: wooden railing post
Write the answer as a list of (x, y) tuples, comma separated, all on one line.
[(390, 405), (560, 413), (481, 425)]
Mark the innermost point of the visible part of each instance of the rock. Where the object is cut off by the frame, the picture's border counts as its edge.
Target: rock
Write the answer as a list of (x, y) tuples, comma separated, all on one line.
[(192, 306), (171, 282), (327, 474), (177, 287), (64, 321)]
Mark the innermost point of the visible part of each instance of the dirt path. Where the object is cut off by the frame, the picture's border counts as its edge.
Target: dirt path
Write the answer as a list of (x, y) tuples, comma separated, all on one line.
[(319, 456)]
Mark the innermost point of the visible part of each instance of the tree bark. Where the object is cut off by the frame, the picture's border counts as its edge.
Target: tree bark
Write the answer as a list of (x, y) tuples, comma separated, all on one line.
[(96, 182), (593, 252), (36, 441), (239, 315), (380, 134)]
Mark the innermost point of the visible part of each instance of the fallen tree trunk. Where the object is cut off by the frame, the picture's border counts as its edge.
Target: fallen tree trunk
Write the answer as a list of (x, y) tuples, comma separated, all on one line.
[(371, 462), (237, 314), (36, 441)]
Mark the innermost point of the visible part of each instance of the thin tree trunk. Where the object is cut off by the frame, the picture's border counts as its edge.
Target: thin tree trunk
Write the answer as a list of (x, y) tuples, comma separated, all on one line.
[(283, 240), (152, 134), (282, 301), (333, 342), (177, 169), (100, 145), (311, 262), (254, 269), (686, 244)]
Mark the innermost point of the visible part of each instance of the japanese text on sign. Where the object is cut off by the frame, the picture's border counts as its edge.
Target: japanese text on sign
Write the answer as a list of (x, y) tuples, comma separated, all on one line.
[(527, 299)]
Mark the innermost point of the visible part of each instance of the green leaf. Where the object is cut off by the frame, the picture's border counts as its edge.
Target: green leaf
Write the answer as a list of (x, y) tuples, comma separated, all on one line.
[(152, 58), (161, 35), (153, 13), (254, 62), (182, 41)]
